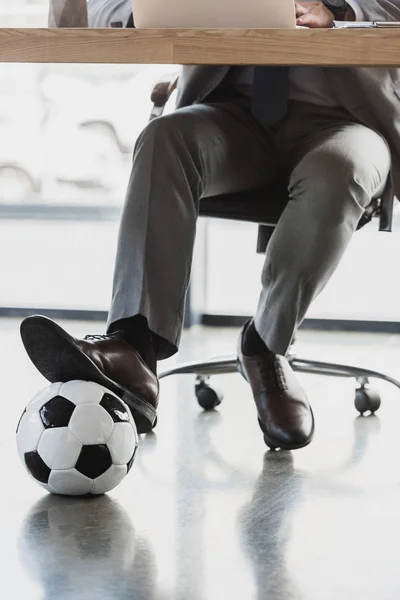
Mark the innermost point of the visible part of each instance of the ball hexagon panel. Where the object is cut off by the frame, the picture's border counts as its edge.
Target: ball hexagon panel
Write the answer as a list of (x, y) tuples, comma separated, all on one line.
[(82, 392), (109, 480), (59, 448), (37, 467), (91, 424), (57, 412), (29, 431), (116, 408), (122, 443), (44, 396), (70, 482), (93, 461)]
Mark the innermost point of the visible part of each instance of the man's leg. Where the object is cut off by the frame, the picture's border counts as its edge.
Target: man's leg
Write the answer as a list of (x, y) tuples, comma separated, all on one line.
[(199, 151), (341, 168), (337, 168)]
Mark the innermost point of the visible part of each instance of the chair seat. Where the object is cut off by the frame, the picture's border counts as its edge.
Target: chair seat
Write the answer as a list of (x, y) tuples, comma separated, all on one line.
[(263, 206)]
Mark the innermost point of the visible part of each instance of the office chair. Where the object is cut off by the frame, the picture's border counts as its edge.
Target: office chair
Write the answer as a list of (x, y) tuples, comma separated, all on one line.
[(251, 207)]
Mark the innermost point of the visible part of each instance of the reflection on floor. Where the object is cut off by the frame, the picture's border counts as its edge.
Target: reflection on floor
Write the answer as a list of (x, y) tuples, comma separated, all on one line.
[(206, 513)]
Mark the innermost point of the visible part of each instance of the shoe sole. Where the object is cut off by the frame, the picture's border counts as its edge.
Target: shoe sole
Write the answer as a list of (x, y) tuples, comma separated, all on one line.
[(275, 445), (57, 357), (270, 442)]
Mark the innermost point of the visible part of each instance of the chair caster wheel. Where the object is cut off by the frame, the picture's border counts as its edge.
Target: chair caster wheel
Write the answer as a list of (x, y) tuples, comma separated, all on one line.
[(207, 397), (367, 400)]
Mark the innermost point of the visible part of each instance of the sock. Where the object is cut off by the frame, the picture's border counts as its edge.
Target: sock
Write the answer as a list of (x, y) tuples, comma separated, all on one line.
[(252, 343), (140, 337)]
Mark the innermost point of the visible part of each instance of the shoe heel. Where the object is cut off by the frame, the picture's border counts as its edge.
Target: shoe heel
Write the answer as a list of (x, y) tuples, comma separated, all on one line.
[(241, 370)]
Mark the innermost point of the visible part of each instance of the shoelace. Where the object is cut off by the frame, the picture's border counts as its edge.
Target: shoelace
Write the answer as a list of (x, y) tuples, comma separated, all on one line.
[(93, 338)]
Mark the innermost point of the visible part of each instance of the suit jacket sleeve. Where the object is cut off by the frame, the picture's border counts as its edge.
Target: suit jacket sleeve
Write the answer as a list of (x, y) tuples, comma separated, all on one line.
[(68, 13), (380, 10)]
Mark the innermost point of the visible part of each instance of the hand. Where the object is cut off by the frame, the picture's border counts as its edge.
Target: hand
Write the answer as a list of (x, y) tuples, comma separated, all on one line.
[(313, 14)]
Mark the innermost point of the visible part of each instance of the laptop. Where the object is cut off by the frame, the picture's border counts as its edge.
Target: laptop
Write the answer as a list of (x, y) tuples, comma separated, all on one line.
[(171, 14)]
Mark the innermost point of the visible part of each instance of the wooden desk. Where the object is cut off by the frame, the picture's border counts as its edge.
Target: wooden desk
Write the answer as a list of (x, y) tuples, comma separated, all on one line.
[(325, 47)]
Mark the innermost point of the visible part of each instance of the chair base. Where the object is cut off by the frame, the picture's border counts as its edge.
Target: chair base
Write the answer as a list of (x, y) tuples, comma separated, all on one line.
[(366, 399)]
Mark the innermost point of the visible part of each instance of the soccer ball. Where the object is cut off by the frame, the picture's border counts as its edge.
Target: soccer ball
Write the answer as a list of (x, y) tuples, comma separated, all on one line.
[(77, 438)]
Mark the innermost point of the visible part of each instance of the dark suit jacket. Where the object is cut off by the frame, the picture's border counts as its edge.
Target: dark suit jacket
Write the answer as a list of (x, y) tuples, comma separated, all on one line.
[(197, 82), (371, 95)]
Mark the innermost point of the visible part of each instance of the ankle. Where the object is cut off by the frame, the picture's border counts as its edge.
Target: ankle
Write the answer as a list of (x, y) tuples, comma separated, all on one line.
[(147, 355), (252, 343), (150, 359), (139, 336)]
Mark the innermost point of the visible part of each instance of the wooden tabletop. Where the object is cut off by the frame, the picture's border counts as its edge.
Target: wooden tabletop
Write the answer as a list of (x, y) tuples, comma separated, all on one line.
[(329, 47)]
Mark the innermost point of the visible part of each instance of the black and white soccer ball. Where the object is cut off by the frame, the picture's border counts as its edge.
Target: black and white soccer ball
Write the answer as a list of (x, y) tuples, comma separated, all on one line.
[(77, 438)]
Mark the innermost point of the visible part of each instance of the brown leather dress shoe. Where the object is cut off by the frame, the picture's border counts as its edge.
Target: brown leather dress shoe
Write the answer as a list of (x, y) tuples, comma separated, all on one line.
[(284, 414), (105, 359)]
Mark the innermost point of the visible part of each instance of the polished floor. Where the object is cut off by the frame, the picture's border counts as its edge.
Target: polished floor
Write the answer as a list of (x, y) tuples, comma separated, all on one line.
[(206, 512)]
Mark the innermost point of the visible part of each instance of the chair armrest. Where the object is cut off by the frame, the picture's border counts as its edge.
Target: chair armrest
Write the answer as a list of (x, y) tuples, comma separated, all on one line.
[(386, 213), (161, 94), (68, 13), (373, 210), (381, 208)]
